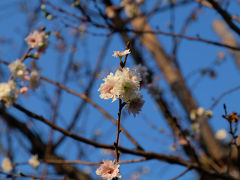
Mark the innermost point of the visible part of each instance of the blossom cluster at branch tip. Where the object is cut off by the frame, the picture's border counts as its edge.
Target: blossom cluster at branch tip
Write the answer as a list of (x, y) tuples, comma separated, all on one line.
[(18, 69), (108, 170), (120, 54), (8, 92), (200, 112), (36, 39), (7, 165), (124, 84), (33, 161)]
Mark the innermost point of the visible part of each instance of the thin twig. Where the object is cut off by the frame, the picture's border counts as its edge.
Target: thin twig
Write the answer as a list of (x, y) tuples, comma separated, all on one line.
[(182, 173)]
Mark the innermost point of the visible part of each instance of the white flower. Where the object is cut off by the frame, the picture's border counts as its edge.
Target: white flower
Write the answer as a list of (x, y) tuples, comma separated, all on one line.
[(33, 161), (124, 84), (36, 39), (128, 85), (7, 165), (200, 111), (221, 134), (34, 79), (134, 106), (108, 170), (120, 54), (194, 114), (8, 92), (5, 90), (107, 88), (17, 68)]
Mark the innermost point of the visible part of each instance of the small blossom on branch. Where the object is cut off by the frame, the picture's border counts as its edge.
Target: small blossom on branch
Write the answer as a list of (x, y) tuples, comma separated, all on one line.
[(18, 69), (135, 105), (128, 84), (200, 112), (108, 170), (107, 88), (33, 161), (8, 93), (7, 165), (36, 39), (124, 84), (120, 54)]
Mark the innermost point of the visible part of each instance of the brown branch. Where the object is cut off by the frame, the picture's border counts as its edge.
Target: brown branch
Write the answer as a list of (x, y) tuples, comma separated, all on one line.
[(38, 147), (198, 39), (148, 155), (182, 173), (87, 91), (216, 101), (118, 129), (64, 162), (225, 15)]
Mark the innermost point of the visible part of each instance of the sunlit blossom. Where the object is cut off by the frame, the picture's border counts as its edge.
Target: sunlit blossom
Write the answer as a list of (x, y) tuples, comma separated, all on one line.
[(121, 53), (7, 165), (124, 84), (194, 114), (17, 68), (36, 39), (221, 134), (33, 161), (108, 170), (8, 92)]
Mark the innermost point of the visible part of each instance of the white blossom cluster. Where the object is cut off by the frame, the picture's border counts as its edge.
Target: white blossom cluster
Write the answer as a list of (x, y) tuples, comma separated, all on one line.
[(200, 112), (37, 39), (7, 165), (33, 161), (18, 69), (108, 170), (9, 91), (120, 54), (125, 85), (221, 134)]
